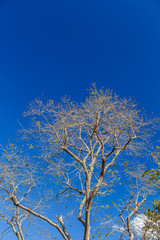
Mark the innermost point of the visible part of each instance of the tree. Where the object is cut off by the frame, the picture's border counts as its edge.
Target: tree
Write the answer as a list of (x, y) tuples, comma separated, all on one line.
[(131, 214), (138, 223), (152, 222), (80, 145), (16, 180), (87, 139)]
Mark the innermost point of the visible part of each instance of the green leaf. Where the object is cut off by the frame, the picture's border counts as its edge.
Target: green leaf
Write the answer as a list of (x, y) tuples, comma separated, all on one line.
[(31, 147), (125, 163), (39, 124)]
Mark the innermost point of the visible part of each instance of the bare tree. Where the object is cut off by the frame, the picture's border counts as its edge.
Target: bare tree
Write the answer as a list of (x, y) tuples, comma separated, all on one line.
[(140, 188), (82, 142), (14, 222), (136, 191), (17, 179)]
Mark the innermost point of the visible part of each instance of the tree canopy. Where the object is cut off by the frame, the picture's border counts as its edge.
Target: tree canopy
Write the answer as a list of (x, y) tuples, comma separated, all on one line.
[(79, 154)]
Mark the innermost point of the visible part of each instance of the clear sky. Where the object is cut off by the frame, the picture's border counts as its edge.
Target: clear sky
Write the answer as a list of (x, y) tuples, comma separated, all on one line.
[(57, 48)]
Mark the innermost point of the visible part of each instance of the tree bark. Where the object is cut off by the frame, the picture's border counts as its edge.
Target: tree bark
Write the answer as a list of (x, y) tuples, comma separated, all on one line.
[(88, 207)]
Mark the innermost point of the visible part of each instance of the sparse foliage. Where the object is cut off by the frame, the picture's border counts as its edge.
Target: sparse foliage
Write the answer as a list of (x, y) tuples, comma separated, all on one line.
[(81, 145), (152, 223)]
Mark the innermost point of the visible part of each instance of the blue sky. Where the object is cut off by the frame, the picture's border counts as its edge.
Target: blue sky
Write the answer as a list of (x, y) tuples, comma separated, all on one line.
[(58, 48)]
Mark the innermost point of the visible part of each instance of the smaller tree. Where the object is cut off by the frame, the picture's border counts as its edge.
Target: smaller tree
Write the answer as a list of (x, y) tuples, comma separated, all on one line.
[(21, 198), (152, 223), (137, 191), (16, 180)]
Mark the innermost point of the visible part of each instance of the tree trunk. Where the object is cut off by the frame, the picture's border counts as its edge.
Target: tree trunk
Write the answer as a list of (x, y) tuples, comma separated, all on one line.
[(87, 208), (87, 221)]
